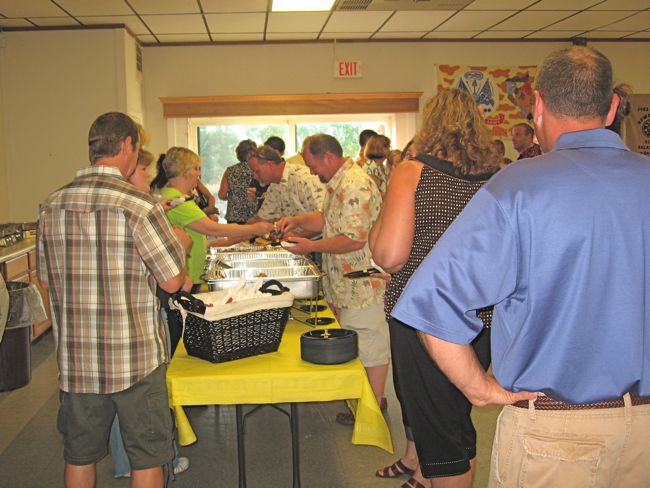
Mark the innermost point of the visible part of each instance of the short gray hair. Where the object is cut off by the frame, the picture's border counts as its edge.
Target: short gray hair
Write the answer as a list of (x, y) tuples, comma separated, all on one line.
[(576, 82)]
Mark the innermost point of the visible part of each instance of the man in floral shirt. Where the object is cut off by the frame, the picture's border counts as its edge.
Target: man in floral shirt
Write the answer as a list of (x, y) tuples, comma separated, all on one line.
[(352, 203), (292, 189)]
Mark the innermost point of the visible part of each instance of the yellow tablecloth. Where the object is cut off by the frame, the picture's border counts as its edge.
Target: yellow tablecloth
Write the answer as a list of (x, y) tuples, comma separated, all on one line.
[(278, 377)]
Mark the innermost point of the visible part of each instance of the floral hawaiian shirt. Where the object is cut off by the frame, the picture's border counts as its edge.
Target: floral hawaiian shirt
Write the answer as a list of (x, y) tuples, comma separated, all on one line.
[(298, 192), (351, 206)]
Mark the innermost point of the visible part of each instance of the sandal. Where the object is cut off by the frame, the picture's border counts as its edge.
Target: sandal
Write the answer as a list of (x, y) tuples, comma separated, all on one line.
[(395, 470), (412, 483)]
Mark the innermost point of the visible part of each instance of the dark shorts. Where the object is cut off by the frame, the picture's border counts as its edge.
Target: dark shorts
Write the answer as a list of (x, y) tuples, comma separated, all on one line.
[(437, 412), (145, 423)]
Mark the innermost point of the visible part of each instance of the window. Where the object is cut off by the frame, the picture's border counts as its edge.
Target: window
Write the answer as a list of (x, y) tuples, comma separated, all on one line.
[(215, 139)]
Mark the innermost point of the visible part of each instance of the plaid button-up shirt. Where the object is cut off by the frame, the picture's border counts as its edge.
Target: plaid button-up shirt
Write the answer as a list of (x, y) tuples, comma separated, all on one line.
[(102, 246)]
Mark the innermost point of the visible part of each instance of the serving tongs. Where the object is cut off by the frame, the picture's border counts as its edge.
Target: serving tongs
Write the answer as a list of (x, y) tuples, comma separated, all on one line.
[(362, 273)]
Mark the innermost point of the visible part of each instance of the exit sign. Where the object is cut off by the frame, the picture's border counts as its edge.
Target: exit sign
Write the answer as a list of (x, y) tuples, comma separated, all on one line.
[(347, 69)]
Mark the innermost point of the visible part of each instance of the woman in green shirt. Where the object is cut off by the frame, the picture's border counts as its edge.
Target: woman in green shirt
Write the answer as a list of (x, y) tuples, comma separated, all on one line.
[(183, 168)]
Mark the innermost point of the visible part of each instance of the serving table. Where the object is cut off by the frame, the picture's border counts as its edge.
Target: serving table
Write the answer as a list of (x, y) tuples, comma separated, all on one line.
[(275, 378)]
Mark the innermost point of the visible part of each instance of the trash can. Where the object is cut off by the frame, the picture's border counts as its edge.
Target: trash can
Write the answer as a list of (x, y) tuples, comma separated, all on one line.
[(25, 308)]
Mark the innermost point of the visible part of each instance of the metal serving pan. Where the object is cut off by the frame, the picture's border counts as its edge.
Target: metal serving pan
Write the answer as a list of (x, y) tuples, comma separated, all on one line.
[(224, 270)]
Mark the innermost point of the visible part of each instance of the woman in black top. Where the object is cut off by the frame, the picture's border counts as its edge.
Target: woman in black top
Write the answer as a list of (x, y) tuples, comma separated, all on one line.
[(424, 196)]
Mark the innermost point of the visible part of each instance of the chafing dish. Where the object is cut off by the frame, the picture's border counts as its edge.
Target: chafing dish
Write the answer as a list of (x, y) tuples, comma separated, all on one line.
[(224, 270)]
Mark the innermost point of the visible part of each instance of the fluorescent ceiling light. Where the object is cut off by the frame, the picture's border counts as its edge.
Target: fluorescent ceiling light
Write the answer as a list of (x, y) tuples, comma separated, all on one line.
[(301, 5)]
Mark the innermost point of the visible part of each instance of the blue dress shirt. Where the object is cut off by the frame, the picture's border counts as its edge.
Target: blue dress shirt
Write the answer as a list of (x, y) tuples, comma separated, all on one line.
[(561, 245)]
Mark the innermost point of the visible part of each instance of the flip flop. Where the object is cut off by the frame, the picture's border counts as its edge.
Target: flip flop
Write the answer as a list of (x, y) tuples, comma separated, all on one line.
[(395, 470)]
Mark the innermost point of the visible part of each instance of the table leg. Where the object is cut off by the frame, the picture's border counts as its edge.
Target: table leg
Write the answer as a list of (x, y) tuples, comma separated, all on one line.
[(241, 448), (295, 445)]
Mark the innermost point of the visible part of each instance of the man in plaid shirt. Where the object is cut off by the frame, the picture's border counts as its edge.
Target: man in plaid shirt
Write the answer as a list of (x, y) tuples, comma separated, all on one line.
[(103, 246)]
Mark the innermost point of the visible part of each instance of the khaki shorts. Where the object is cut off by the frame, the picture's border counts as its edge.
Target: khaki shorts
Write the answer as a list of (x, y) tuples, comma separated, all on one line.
[(85, 421), (595, 448), (370, 325)]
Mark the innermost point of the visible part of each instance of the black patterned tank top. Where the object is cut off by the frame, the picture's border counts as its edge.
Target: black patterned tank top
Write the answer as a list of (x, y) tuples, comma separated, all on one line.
[(440, 196)]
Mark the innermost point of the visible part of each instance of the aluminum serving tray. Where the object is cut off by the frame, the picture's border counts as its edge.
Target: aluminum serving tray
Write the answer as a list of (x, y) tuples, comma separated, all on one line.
[(224, 269)]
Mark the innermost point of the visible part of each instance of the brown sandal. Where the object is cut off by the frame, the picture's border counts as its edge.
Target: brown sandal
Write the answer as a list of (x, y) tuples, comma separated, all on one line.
[(412, 483), (395, 470)]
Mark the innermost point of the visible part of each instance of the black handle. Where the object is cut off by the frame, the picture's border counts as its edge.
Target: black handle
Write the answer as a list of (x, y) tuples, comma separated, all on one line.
[(189, 302), (266, 287)]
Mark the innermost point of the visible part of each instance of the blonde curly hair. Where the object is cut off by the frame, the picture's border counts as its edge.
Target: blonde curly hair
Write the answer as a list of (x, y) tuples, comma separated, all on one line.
[(453, 130), (179, 160)]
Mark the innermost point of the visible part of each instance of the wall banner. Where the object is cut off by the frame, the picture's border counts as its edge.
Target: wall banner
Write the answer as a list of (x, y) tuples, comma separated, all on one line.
[(505, 94), (637, 124)]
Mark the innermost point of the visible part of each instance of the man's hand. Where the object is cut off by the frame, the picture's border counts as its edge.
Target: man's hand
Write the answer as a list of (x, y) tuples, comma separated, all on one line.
[(493, 393), (302, 246), (285, 224)]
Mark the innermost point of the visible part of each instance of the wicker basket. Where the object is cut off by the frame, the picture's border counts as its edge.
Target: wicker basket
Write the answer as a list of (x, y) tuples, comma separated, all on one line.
[(253, 327), (236, 337)]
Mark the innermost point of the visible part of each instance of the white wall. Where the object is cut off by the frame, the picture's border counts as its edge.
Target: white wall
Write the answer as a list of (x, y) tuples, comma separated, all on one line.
[(53, 85), (308, 68)]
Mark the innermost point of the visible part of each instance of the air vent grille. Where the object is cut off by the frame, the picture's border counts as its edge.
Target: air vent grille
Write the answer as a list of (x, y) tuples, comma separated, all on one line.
[(354, 4)]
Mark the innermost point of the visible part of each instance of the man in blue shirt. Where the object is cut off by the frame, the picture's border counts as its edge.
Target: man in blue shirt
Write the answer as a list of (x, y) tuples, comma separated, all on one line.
[(561, 245)]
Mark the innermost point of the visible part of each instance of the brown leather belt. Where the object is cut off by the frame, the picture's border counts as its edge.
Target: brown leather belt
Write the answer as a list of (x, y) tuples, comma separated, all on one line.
[(546, 403)]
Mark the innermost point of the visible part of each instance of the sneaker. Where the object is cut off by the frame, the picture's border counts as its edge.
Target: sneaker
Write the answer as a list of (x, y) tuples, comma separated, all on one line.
[(181, 464)]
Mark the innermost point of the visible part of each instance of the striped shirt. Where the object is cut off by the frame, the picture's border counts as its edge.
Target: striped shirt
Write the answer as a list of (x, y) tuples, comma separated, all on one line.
[(102, 247)]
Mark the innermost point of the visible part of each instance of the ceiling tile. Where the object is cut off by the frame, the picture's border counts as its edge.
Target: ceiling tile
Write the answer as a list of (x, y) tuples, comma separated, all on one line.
[(230, 6), (474, 20), (281, 36), (451, 35), (153, 7), (30, 8), (640, 35), (533, 20), (492, 34), (296, 21), (53, 21), (183, 37), (622, 5), (175, 24), (636, 22), (399, 35), (131, 21), (554, 34), (415, 21), (356, 21), (563, 4), (84, 8), (234, 37), (499, 4), (15, 23), (588, 20), (345, 35), (234, 23)]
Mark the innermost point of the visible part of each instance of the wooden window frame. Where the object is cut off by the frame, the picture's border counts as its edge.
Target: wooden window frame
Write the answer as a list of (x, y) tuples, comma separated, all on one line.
[(301, 104)]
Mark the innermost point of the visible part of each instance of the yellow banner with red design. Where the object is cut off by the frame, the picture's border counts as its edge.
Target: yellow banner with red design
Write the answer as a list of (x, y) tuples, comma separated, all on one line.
[(504, 94)]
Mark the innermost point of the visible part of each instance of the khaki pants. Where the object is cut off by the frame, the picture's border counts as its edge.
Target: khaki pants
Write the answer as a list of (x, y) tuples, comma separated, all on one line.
[(579, 448)]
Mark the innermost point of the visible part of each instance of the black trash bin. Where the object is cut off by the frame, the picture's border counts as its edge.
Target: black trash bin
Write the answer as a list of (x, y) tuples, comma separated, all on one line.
[(25, 308)]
